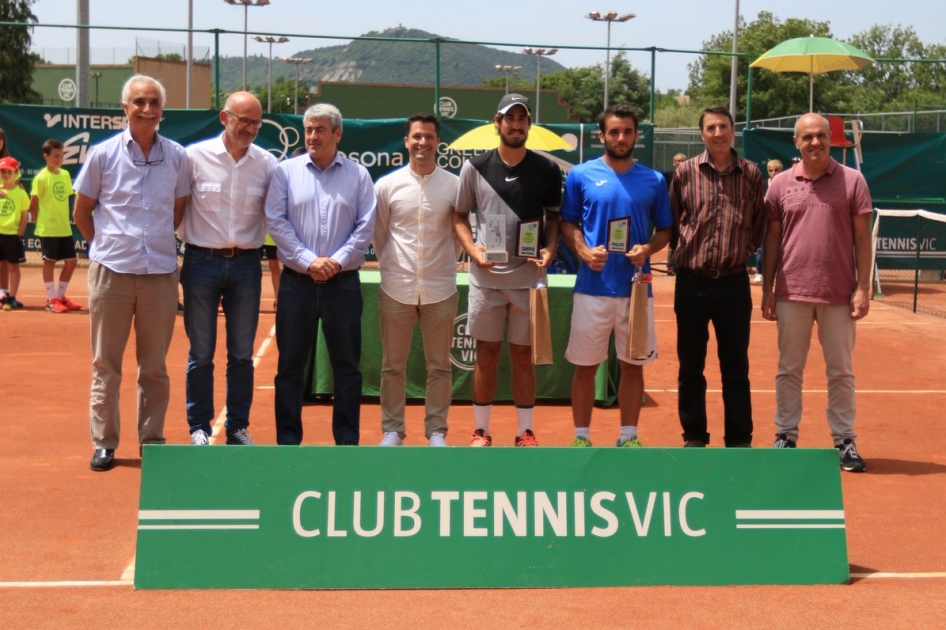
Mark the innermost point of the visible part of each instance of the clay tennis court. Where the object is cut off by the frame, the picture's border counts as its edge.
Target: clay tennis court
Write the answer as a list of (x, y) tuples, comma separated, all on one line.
[(67, 534)]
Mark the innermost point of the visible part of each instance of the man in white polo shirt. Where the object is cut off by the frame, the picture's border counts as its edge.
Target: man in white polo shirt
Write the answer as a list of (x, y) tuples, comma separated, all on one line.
[(417, 253), (224, 227)]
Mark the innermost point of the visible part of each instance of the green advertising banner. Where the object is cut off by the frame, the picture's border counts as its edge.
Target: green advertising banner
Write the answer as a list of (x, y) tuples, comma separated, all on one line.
[(376, 144), (553, 382), (909, 239), (326, 517)]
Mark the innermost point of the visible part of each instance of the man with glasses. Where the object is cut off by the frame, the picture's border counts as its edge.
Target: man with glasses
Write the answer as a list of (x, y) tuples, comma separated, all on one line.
[(130, 199), (223, 229)]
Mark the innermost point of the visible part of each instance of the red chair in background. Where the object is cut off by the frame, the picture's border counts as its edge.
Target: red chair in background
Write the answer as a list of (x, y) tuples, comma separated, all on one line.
[(839, 139)]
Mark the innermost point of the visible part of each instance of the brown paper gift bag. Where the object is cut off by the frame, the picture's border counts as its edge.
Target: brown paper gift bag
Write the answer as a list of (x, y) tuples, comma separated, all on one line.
[(539, 327), (638, 323)]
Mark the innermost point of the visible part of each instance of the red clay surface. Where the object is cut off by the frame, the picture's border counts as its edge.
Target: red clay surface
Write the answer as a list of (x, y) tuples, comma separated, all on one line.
[(59, 521)]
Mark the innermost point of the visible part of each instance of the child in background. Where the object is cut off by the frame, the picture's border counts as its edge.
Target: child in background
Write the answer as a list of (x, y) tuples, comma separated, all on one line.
[(4, 268), (14, 204), (49, 208)]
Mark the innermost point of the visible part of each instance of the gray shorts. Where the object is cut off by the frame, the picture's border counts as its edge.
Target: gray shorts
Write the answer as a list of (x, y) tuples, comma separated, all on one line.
[(490, 310)]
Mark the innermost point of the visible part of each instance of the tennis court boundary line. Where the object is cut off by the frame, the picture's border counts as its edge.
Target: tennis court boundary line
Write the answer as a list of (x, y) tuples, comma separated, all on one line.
[(935, 575)]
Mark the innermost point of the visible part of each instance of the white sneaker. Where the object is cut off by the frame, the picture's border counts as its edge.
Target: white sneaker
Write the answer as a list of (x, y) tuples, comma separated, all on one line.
[(757, 279), (200, 438), (437, 439), (392, 439)]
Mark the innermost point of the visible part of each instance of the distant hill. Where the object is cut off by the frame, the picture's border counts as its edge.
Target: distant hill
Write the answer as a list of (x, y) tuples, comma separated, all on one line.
[(368, 61)]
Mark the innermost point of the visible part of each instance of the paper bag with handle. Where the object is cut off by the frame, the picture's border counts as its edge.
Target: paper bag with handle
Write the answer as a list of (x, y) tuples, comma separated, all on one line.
[(539, 327), (638, 323)]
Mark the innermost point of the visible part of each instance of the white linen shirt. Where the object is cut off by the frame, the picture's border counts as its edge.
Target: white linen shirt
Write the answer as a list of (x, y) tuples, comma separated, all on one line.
[(226, 204), (413, 235)]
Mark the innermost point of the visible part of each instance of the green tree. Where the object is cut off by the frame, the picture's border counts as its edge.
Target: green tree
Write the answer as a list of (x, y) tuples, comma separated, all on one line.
[(773, 94), (283, 95), (583, 88), (16, 61), (896, 85)]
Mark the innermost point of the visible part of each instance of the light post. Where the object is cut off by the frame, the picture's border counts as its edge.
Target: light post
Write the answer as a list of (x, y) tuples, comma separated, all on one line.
[(296, 61), (246, 9), (539, 53), (269, 90), (507, 70), (608, 17), (96, 75)]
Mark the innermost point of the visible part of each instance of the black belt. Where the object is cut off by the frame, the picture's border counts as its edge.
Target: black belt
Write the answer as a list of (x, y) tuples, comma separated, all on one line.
[(226, 252), (711, 273), (305, 276)]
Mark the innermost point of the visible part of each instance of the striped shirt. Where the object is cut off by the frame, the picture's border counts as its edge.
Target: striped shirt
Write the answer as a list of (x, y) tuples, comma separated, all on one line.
[(718, 217)]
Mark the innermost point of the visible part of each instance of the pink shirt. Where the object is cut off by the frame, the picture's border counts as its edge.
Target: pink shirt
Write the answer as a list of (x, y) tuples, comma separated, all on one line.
[(817, 257)]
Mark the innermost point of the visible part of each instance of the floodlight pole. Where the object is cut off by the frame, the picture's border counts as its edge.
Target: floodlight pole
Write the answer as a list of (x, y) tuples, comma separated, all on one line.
[(269, 89), (539, 53), (612, 16)]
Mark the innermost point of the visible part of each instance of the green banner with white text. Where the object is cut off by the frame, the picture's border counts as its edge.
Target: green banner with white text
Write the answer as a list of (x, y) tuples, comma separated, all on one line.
[(327, 517)]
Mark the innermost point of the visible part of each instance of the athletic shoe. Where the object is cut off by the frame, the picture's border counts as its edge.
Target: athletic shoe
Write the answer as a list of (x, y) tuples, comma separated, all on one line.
[(180, 307), (240, 437), (526, 439), (580, 441), (437, 439), (4, 301), (13, 303), (757, 279), (481, 439), (850, 460), (55, 305), (630, 443), (782, 441), (200, 438), (694, 444), (392, 439), (72, 306)]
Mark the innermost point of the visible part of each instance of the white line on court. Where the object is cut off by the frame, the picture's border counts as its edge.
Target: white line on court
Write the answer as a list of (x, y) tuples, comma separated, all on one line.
[(880, 575), (884, 392), (128, 574)]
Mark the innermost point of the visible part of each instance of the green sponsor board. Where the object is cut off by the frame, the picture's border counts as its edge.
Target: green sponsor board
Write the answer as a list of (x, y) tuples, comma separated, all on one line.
[(414, 517)]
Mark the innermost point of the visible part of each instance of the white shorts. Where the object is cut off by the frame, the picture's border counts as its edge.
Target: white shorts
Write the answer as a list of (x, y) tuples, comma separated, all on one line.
[(491, 310), (593, 319)]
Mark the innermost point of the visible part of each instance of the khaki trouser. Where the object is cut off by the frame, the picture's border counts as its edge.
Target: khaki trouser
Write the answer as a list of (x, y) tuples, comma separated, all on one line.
[(397, 328), (115, 301)]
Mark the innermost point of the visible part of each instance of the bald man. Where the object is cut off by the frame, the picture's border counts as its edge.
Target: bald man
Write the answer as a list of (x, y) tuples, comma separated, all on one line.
[(224, 228), (817, 269)]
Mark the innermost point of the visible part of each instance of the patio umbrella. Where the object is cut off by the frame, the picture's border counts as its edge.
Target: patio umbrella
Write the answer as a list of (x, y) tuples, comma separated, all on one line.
[(485, 137), (814, 55)]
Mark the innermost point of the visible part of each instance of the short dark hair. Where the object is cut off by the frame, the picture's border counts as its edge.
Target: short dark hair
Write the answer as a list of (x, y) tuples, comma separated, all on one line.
[(618, 111), (719, 110), (422, 118), (51, 145)]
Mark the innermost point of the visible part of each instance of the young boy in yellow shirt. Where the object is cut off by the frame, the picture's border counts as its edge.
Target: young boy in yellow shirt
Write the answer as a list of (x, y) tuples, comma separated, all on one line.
[(14, 204), (49, 208)]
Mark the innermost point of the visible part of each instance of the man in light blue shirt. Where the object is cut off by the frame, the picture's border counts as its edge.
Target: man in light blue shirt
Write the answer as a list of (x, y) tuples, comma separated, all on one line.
[(320, 211), (130, 198)]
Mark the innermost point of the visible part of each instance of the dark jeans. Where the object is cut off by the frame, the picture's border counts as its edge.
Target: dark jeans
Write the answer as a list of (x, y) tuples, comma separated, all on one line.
[(727, 303), (206, 279), (337, 304)]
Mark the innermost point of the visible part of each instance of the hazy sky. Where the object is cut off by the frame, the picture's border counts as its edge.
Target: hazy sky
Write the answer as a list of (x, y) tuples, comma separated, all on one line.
[(669, 24)]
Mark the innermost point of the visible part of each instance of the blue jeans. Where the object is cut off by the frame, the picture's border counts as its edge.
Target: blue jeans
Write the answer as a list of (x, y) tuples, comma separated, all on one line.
[(303, 303), (206, 279), (727, 303)]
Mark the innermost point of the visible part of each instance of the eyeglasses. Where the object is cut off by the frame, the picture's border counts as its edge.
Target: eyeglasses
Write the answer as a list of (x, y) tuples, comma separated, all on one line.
[(147, 162), (247, 122)]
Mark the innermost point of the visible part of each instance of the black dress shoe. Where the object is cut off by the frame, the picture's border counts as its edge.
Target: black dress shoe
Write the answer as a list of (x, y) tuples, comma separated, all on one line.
[(102, 459)]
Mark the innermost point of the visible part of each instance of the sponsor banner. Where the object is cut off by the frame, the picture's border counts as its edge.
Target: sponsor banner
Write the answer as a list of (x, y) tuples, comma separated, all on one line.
[(907, 239), (416, 517), (378, 145)]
